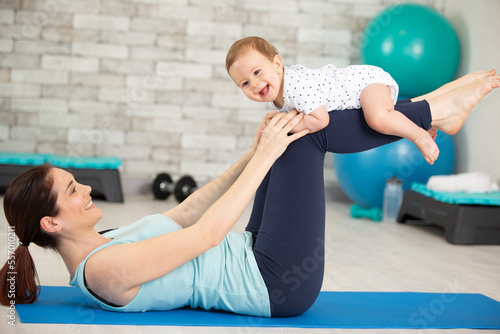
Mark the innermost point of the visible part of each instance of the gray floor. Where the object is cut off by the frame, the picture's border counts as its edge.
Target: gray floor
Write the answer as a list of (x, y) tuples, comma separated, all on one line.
[(361, 256)]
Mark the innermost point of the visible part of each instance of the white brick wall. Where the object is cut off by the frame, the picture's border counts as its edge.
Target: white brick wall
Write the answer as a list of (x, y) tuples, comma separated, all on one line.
[(96, 136), (101, 22), (186, 70), (40, 48), (145, 79), (19, 90), (4, 132), (4, 75), (39, 76), (97, 80), (56, 106), (100, 50), (6, 16), (6, 45), (215, 29), (73, 64), (10, 61)]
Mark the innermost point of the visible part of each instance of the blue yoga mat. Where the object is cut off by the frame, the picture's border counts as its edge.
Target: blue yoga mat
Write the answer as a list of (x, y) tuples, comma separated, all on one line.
[(67, 305)]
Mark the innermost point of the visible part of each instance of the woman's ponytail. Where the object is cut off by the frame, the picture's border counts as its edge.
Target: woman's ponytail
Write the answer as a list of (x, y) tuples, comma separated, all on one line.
[(19, 279), (27, 200)]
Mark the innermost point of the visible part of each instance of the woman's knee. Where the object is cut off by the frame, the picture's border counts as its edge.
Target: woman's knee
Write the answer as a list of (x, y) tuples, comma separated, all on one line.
[(292, 306), (297, 292)]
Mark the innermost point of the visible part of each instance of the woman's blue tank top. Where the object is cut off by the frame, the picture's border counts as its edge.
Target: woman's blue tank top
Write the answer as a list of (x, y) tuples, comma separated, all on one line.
[(224, 278)]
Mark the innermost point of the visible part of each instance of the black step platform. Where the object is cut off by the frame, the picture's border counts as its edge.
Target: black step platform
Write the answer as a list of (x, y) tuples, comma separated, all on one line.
[(463, 224), (105, 183), (100, 173)]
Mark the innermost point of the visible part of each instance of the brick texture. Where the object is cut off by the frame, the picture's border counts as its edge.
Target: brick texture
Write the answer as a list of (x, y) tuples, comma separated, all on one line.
[(145, 79)]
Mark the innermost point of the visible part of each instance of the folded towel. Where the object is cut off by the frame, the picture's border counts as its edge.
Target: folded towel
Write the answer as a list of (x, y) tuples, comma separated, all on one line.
[(473, 182)]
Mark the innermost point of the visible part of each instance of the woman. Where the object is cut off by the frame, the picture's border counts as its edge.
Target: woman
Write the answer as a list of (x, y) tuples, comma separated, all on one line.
[(186, 256)]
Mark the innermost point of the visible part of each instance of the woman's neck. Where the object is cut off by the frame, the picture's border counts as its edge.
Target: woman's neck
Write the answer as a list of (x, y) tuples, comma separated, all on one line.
[(74, 251)]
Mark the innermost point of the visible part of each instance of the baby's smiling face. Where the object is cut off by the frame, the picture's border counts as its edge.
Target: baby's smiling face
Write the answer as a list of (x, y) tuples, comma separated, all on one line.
[(257, 76)]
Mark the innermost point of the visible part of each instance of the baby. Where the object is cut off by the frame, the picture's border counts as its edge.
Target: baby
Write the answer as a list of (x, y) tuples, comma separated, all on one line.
[(257, 68)]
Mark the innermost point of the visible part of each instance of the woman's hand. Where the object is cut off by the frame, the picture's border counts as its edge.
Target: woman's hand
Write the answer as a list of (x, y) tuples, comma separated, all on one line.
[(275, 137), (189, 211), (260, 130)]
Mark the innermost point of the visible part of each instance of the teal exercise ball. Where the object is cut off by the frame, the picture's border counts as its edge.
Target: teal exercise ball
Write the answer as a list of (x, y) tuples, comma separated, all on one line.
[(415, 44), (362, 176)]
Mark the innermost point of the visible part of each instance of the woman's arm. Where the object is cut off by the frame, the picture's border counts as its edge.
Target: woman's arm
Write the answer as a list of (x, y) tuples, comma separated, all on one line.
[(192, 208), (130, 265)]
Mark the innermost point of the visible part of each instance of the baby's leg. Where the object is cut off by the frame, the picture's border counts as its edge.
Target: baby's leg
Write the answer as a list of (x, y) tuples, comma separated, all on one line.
[(380, 115), (462, 81)]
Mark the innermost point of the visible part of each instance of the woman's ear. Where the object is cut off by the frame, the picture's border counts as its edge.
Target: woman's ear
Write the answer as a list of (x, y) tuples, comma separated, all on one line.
[(278, 63), (50, 225)]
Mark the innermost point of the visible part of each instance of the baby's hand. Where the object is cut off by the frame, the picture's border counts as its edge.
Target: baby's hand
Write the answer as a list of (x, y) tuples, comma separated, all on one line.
[(316, 120)]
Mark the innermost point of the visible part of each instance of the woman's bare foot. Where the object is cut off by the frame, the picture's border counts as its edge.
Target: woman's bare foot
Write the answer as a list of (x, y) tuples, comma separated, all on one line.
[(450, 110), (462, 81), (427, 146)]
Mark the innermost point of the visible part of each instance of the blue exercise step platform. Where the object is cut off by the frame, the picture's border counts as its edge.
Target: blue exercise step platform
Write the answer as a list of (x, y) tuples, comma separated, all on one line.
[(100, 173), (467, 218)]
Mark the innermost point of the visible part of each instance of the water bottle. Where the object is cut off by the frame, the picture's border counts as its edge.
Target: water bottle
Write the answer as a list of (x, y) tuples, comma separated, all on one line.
[(393, 196)]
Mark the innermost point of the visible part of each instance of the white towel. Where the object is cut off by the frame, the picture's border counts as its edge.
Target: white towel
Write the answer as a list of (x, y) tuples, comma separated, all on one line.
[(474, 182)]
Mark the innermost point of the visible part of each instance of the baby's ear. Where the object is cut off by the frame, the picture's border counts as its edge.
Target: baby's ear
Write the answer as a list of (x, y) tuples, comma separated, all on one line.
[(278, 63)]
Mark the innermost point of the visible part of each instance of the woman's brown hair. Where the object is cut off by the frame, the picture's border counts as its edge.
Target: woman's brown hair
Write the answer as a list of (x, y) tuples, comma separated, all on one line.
[(27, 200), (253, 42)]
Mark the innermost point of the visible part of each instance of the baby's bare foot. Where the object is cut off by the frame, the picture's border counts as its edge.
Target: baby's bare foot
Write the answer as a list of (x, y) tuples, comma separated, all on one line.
[(449, 111), (427, 146)]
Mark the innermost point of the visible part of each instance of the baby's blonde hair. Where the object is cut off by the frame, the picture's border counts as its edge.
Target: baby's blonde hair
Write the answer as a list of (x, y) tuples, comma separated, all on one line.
[(257, 43)]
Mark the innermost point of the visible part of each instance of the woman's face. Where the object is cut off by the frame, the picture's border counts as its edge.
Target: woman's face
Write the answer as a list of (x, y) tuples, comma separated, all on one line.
[(74, 201)]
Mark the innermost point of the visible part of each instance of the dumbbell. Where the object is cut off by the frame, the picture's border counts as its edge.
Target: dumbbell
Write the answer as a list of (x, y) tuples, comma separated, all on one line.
[(357, 211), (163, 186)]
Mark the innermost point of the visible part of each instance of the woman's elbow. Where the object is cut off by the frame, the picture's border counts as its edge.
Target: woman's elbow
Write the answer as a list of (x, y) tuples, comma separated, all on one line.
[(210, 237), (216, 241)]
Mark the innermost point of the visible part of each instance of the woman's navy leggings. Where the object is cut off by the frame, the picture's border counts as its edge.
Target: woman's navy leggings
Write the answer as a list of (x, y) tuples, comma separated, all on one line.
[(288, 216)]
